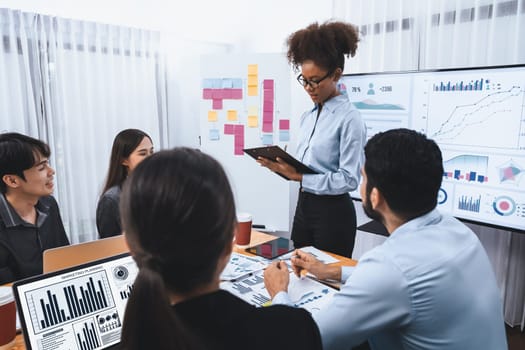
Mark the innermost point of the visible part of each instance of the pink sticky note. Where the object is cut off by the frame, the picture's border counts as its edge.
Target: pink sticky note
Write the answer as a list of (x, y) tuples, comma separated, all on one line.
[(217, 104), (268, 106), (268, 84), (236, 94), (238, 129), (227, 93), (284, 124), (267, 127), (228, 129), (217, 94), (268, 96), (207, 94), (238, 151), (267, 117)]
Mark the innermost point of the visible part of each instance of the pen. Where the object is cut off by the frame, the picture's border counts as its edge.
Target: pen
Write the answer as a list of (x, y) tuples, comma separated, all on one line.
[(285, 146)]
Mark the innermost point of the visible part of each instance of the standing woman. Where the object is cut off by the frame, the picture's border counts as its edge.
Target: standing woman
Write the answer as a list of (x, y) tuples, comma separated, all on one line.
[(130, 147), (178, 214), (331, 140)]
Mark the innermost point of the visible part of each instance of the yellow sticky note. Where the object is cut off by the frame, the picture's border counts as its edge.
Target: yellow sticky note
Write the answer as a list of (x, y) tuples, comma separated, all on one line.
[(253, 121), (232, 115), (268, 303), (253, 69), (212, 116), (252, 80), (253, 110), (252, 90)]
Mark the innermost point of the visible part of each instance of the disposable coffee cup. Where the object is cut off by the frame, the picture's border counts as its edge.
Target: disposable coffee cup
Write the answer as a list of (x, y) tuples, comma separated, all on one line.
[(7, 318), (244, 229)]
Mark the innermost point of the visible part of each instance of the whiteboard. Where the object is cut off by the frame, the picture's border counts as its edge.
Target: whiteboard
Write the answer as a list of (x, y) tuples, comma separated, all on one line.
[(223, 114)]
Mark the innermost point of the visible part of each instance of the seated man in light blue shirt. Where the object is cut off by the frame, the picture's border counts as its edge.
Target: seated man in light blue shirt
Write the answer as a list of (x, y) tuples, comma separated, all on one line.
[(429, 286)]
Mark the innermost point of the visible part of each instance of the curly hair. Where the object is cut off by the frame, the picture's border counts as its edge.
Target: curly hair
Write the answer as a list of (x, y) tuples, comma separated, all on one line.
[(325, 44)]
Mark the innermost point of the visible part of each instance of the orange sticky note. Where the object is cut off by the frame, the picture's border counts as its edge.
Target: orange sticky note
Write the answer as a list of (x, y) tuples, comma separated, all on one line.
[(252, 80), (253, 121), (231, 115), (212, 116), (253, 69), (253, 90)]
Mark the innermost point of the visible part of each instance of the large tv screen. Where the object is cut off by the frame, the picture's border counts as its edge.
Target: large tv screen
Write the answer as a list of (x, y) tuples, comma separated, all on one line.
[(477, 117)]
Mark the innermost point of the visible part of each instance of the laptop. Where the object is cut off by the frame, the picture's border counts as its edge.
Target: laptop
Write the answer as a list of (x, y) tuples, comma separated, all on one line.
[(70, 255), (79, 308)]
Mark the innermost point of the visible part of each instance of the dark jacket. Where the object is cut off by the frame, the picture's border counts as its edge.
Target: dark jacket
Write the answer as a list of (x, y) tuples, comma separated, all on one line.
[(223, 321), (22, 243)]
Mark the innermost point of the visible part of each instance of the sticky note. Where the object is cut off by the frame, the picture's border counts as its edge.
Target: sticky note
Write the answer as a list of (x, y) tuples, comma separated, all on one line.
[(268, 106), (217, 104), (253, 69), (267, 126), (231, 115), (268, 84), (253, 121), (236, 94), (207, 94), (284, 124), (227, 93), (268, 117), (227, 83), (228, 129), (252, 91), (268, 96), (214, 135), (253, 110), (238, 129), (284, 135), (237, 83), (267, 139), (212, 116), (207, 83), (252, 80)]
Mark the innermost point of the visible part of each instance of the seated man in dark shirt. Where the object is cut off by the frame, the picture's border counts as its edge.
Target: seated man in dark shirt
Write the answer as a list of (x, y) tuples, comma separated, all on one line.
[(30, 221)]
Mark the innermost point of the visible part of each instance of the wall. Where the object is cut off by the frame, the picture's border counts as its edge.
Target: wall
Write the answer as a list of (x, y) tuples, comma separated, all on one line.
[(190, 30)]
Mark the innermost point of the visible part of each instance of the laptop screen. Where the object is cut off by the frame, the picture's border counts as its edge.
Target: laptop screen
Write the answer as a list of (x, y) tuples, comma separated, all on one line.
[(81, 307)]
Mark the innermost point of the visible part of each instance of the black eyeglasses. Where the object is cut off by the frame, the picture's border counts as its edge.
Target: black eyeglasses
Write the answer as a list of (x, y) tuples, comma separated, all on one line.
[(314, 84)]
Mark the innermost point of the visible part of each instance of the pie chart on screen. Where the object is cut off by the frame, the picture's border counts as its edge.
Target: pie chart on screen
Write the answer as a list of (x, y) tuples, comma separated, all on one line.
[(504, 206)]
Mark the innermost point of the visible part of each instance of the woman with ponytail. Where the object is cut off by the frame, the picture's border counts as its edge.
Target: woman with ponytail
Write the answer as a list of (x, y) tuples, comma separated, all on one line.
[(178, 215)]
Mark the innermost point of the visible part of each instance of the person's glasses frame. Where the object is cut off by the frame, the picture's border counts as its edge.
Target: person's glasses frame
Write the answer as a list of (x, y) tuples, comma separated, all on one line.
[(314, 84)]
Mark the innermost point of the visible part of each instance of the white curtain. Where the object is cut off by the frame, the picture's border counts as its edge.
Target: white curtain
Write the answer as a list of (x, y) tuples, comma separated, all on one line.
[(401, 35), (91, 81), (19, 92)]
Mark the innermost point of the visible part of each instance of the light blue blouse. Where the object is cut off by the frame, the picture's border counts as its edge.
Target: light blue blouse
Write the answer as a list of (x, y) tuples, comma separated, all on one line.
[(430, 286), (333, 145)]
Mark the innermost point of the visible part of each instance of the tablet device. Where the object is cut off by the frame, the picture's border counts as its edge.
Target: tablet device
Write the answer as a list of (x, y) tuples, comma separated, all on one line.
[(272, 152), (272, 249)]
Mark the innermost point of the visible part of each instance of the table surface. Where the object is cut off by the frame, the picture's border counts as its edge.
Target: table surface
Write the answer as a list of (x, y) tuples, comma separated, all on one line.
[(256, 238)]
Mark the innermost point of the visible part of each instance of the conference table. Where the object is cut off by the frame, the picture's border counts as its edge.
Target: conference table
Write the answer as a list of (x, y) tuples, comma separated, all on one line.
[(257, 237)]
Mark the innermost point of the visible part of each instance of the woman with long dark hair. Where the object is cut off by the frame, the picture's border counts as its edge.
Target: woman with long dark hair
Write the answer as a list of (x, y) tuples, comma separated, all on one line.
[(178, 215), (130, 147)]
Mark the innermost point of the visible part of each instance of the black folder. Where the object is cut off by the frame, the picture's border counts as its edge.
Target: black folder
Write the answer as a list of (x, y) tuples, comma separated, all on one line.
[(273, 152)]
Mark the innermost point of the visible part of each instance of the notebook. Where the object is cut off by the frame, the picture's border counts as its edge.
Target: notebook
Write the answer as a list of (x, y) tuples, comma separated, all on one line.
[(81, 307)]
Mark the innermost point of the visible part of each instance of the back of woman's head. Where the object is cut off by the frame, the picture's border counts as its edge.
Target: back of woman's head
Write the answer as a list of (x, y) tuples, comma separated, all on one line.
[(175, 204), (124, 144), (325, 44)]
